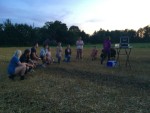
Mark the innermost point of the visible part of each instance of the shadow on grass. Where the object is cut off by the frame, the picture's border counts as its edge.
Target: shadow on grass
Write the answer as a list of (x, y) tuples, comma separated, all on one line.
[(104, 79)]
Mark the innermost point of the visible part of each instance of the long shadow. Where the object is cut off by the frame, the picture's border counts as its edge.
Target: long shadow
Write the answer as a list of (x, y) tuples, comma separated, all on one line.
[(104, 79)]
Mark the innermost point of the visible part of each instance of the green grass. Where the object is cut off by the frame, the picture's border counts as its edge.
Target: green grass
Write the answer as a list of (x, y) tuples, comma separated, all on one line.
[(80, 86)]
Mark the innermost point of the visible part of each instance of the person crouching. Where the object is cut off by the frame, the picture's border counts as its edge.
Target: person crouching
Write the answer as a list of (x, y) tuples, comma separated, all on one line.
[(15, 67)]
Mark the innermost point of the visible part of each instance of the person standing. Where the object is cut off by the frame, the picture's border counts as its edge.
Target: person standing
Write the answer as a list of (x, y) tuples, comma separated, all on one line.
[(106, 49), (59, 52), (79, 45)]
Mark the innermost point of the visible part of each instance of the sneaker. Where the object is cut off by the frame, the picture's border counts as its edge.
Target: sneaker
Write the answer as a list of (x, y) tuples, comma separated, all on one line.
[(44, 66), (11, 77), (32, 70)]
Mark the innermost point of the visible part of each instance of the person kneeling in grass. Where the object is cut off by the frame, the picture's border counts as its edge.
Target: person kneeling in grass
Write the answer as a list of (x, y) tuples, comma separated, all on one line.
[(16, 67), (25, 58), (67, 54)]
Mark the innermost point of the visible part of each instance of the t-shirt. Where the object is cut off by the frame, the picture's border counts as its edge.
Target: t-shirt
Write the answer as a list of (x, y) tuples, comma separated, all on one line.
[(12, 65), (59, 51), (107, 45), (67, 52), (24, 59), (79, 44), (33, 50), (43, 52)]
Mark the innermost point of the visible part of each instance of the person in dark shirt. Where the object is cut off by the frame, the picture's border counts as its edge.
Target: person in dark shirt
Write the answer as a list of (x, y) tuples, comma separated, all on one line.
[(25, 58), (67, 54)]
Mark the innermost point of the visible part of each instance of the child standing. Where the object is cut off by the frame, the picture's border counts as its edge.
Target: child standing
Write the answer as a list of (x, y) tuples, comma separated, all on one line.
[(94, 53)]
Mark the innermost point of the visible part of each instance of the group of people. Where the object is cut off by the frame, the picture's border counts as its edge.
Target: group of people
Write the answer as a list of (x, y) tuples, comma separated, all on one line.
[(21, 64)]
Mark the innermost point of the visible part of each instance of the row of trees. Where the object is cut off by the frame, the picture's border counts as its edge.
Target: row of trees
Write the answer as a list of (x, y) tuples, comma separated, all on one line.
[(25, 35)]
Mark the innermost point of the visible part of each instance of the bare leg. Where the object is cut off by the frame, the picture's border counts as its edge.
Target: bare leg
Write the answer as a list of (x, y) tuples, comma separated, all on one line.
[(20, 70)]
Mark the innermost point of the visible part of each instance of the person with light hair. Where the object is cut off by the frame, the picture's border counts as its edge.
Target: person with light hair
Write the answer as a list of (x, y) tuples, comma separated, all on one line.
[(79, 44), (59, 52), (15, 67)]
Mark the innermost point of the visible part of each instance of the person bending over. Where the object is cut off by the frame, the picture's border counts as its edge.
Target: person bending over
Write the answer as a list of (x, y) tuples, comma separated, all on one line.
[(25, 58)]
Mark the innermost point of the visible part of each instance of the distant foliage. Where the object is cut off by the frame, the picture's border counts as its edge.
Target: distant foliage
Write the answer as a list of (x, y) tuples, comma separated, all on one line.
[(25, 35)]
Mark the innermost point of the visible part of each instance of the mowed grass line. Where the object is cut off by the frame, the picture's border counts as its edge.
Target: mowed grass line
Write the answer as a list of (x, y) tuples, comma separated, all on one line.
[(79, 87)]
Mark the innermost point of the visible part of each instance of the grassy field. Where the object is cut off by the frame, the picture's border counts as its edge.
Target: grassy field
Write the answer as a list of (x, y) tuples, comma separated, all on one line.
[(80, 86)]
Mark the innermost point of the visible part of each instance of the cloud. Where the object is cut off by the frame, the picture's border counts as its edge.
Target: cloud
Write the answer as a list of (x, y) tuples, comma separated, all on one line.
[(94, 20)]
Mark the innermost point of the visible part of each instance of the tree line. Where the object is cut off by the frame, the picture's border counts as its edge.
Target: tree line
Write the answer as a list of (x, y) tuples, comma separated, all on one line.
[(53, 32)]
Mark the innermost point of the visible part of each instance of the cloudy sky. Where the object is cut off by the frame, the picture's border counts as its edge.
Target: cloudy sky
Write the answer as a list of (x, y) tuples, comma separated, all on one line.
[(89, 15)]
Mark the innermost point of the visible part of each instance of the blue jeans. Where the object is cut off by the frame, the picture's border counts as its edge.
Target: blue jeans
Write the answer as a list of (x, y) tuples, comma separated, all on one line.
[(67, 58)]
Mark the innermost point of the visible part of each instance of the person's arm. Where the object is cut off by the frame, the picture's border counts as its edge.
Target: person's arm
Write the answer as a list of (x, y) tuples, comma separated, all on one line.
[(66, 51), (29, 65), (61, 49), (21, 64), (77, 43), (35, 56), (70, 52), (82, 43)]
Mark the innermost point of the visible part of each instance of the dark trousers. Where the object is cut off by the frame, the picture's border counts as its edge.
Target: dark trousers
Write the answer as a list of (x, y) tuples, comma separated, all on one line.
[(67, 58), (105, 54)]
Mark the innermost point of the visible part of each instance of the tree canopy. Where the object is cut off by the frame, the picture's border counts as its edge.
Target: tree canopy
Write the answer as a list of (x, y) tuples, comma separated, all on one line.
[(25, 35)]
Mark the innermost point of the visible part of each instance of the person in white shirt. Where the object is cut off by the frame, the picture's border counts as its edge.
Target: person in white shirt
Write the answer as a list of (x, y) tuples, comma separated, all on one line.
[(79, 45), (43, 54)]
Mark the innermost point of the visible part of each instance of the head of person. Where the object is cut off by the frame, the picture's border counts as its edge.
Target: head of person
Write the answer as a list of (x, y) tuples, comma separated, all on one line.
[(18, 53), (68, 46), (36, 45), (95, 47), (49, 49), (46, 46), (59, 43), (27, 52), (107, 38), (79, 38)]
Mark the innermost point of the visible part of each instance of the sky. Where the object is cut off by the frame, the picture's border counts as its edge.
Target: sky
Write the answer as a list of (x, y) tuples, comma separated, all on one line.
[(88, 15)]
